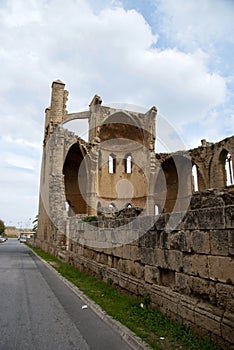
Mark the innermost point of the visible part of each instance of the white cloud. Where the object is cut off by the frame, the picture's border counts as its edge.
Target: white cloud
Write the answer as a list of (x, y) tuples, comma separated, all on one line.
[(198, 23), (182, 86), (107, 50)]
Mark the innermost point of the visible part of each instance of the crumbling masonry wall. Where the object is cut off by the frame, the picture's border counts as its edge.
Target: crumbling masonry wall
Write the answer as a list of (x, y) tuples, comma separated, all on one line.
[(188, 272)]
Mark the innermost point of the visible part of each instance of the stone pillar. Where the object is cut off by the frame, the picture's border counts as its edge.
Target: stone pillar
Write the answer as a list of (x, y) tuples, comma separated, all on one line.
[(92, 184), (58, 102)]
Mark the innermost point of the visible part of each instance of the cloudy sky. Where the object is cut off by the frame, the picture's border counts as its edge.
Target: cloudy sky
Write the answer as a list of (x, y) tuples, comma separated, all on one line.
[(177, 55)]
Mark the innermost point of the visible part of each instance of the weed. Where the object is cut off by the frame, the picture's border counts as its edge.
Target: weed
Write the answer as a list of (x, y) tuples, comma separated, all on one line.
[(90, 219), (100, 273), (109, 281), (146, 299)]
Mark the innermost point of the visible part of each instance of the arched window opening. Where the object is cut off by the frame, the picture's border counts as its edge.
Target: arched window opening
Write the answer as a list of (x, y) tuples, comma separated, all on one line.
[(99, 208), (112, 164), (194, 178), (67, 206), (157, 209), (128, 164), (99, 160), (229, 170)]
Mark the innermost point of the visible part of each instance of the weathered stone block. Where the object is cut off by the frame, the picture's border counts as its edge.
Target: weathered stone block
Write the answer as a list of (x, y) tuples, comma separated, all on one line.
[(169, 259), (175, 221), (175, 260), (206, 199), (115, 262), (118, 251), (103, 259), (231, 242), (121, 265), (181, 283), (148, 256), (225, 296), (140, 270), (128, 266), (135, 253), (126, 251), (227, 327), (221, 269), (143, 223), (164, 240), (190, 220), (229, 216), (116, 236), (200, 242), (186, 309), (151, 274), (130, 236), (208, 218), (110, 260), (202, 288), (196, 265), (161, 222), (150, 239), (170, 302), (209, 317), (180, 241), (90, 235), (219, 242)]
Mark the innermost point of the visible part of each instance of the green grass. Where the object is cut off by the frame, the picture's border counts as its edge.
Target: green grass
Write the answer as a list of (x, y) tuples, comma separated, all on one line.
[(89, 219), (148, 323)]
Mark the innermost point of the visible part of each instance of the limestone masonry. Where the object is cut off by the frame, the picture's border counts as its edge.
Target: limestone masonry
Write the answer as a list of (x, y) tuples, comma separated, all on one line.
[(157, 224)]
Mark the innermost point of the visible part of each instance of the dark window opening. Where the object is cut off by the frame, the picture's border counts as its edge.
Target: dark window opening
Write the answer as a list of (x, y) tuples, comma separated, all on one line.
[(128, 164), (112, 164)]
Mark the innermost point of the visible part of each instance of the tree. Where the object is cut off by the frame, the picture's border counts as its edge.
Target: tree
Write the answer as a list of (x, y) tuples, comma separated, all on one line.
[(2, 227), (35, 224)]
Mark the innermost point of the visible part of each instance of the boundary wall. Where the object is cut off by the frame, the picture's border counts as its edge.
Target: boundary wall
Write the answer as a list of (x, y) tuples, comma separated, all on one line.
[(188, 271)]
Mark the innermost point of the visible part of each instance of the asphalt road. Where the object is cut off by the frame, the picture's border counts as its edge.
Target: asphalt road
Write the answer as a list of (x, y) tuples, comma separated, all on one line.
[(39, 312)]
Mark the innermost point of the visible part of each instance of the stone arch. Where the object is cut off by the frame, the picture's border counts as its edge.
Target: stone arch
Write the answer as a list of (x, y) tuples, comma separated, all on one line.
[(173, 187), (166, 187), (74, 116), (70, 140), (73, 192), (218, 173), (217, 170), (222, 176), (198, 183), (225, 169), (121, 125)]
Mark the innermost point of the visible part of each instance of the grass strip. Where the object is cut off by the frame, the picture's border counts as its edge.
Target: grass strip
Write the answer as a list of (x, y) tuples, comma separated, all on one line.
[(148, 323)]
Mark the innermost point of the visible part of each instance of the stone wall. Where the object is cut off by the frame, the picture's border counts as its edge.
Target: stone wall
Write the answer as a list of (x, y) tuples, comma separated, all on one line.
[(188, 271)]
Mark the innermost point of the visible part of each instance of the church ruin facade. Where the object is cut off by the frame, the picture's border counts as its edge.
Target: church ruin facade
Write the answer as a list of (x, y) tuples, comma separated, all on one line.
[(161, 223)]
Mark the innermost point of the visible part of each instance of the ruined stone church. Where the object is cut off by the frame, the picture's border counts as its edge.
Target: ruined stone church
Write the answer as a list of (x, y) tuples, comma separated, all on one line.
[(114, 203)]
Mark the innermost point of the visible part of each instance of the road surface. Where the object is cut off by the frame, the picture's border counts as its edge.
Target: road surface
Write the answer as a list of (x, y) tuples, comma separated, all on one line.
[(39, 312)]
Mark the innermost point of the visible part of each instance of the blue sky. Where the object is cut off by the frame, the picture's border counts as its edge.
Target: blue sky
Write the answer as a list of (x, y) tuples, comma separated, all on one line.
[(177, 55)]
